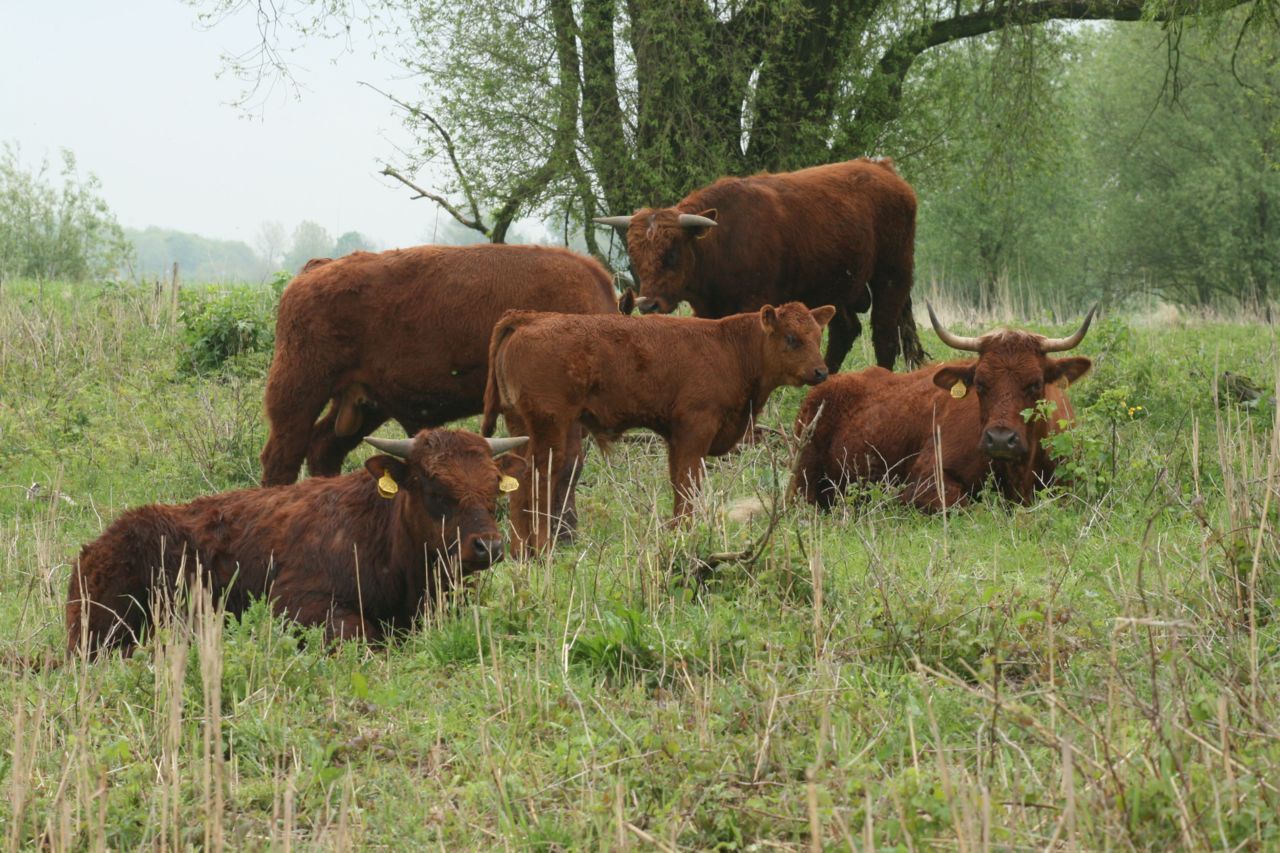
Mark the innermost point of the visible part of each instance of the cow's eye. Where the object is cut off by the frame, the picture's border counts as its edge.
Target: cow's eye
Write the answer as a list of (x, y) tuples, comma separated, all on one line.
[(792, 342), (1035, 388), (672, 258)]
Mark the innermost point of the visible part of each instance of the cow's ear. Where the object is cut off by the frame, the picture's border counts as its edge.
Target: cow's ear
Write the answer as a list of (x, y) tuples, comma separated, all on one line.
[(768, 318), (951, 375), (702, 231), (822, 316), (511, 464), (1069, 369), (389, 466), (627, 301)]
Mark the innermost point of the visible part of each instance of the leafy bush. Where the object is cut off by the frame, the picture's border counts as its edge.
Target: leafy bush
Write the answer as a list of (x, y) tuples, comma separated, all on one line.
[(220, 327)]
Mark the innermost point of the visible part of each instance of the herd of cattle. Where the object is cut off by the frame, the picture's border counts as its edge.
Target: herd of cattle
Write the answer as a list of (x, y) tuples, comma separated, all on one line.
[(538, 337)]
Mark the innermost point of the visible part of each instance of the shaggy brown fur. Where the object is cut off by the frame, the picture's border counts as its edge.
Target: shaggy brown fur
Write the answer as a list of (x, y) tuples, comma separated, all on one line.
[(697, 383), (327, 551), (402, 335), (880, 426), (841, 234)]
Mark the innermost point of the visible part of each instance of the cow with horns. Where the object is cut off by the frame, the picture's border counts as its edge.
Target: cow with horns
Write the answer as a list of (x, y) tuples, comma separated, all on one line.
[(926, 432), (360, 554), (842, 234), (402, 335)]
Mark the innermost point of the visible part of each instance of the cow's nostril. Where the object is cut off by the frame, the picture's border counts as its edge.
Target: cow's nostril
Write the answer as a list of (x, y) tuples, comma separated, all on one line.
[(488, 549)]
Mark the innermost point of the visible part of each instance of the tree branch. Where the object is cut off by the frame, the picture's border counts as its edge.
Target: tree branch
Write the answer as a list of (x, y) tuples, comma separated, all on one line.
[(474, 224), (883, 102)]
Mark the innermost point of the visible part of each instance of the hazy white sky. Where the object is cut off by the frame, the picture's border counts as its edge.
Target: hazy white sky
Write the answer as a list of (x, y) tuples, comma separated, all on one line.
[(132, 89)]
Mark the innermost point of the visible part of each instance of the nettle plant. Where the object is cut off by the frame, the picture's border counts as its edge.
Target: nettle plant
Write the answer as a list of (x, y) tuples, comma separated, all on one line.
[(1093, 452)]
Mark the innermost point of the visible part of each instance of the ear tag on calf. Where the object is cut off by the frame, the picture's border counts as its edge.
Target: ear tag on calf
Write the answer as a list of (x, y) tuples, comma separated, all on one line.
[(508, 484), (387, 487), (959, 390)]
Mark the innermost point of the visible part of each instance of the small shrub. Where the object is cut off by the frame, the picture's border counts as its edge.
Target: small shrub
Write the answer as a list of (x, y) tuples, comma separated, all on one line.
[(220, 328)]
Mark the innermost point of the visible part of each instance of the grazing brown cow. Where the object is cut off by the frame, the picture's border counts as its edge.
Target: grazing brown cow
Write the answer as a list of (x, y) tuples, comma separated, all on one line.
[(402, 335), (697, 383), (880, 426), (841, 234), (358, 554)]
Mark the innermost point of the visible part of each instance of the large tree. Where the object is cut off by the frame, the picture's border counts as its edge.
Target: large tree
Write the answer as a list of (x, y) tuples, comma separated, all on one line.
[(584, 106)]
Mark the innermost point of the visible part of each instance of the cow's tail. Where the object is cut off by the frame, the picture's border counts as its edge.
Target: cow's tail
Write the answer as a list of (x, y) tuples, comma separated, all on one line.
[(913, 352), (507, 323)]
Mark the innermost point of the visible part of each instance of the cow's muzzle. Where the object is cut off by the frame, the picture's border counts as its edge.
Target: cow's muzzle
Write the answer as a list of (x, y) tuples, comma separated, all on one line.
[(485, 550), (649, 305), (1003, 443), (816, 376)]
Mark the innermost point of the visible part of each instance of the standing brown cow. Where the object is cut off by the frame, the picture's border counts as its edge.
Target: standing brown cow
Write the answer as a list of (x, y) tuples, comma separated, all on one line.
[(358, 554), (841, 234), (879, 426), (402, 335), (697, 383)]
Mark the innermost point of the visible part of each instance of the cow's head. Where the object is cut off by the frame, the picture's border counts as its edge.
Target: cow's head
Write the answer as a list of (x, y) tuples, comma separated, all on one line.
[(1010, 376), (793, 343), (660, 242), (445, 484)]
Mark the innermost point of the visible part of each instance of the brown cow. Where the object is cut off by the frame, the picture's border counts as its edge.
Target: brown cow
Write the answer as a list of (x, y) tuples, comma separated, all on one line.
[(359, 554), (697, 383), (402, 335), (880, 426), (841, 234)]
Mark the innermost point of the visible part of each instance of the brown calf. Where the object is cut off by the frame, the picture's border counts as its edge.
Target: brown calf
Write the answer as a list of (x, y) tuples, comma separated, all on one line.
[(841, 234), (358, 554), (964, 418), (697, 383)]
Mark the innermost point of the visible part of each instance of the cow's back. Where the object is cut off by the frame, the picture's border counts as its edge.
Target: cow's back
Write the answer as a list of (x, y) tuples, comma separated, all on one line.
[(779, 233), (412, 325)]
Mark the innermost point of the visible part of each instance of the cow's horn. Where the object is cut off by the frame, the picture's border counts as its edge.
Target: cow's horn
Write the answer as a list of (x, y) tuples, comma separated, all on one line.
[(693, 220), (397, 447), (1060, 344), (499, 446), (953, 341), (615, 221)]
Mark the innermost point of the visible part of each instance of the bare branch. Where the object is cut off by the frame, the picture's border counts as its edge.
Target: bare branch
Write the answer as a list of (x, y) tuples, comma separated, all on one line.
[(474, 224)]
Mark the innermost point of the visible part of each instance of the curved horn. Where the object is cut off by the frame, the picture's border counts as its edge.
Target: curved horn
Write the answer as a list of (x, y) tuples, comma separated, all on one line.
[(397, 447), (498, 446), (953, 341), (615, 221), (1060, 344), (693, 220)]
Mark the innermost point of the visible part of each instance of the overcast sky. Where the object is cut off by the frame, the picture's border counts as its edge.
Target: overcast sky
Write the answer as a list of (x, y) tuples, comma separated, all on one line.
[(132, 88)]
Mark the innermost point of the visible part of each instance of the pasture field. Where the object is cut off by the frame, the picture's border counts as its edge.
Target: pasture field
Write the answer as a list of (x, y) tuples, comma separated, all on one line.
[(1098, 670)]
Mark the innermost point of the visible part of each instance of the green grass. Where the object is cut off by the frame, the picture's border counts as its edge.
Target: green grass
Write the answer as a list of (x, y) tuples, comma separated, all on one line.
[(1096, 670)]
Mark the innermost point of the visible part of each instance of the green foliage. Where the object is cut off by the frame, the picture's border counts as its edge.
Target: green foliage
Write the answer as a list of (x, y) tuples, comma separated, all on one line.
[(222, 328), (49, 231)]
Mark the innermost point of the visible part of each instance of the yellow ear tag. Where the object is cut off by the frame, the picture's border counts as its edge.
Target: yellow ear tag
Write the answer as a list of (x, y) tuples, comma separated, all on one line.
[(508, 484), (387, 487), (959, 390)]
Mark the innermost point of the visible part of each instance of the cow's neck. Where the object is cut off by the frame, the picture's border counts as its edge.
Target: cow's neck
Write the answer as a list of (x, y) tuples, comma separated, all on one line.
[(747, 337)]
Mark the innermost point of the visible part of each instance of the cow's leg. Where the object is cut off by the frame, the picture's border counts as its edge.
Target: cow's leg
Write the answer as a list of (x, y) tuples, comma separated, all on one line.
[(328, 449), (566, 495), (924, 490), (291, 413), (891, 297), (814, 481), (685, 451), (842, 331), (347, 624), (533, 504)]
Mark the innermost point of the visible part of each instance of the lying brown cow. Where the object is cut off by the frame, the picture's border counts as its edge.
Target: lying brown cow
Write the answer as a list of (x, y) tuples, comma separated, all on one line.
[(841, 234), (402, 335), (879, 426), (697, 383), (358, 554)]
